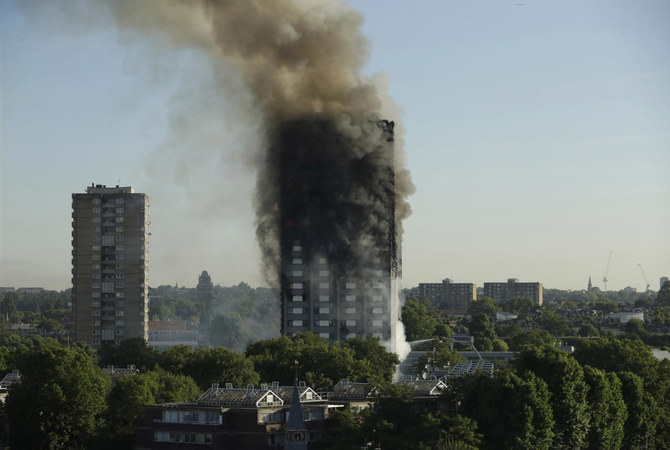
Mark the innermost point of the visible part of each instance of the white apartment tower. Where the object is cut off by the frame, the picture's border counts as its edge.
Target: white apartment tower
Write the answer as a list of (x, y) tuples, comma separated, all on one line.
[(110, 294)]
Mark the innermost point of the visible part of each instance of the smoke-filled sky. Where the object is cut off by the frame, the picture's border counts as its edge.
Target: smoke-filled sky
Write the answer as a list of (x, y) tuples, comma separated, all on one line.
[(536, 132)]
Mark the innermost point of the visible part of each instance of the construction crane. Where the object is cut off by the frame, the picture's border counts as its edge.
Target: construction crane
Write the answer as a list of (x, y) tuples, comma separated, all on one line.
[(645, 280), (607, 269)]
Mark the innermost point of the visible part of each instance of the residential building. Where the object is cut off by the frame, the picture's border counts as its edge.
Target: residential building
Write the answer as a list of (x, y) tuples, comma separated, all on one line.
[(503, 292), (109, 265), (230, 418), (454, 298), (663, 280), (339, 258)]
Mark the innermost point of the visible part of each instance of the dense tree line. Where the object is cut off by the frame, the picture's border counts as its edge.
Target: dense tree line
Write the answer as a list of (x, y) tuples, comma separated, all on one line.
[(65, 400)]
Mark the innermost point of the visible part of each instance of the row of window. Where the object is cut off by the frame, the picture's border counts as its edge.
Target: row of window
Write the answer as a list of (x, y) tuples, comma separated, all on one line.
[(330, 323), (96, 332), (118, 323), (326, 298), (183, 437), (326, 335), (119, 304), (116, 294), (96, 313), (118, 201), (96, 342), (191, 416), (96, 210)]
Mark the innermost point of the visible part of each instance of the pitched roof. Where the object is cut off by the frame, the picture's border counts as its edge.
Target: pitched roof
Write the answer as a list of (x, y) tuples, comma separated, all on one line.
[(346, 390), (423, 388), (230, 397), (12, 377)]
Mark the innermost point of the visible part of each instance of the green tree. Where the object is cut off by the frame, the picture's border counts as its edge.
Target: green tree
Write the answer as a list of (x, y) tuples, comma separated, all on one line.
[(635, 326), (555, 324), (485, 305), (133, 351), (220, 365), (607, 409), (643, 413), (663, 295), (130, 394), (565, 379), (511, 411), (521, 305), (60, 401), (588, 330), (441, 356), (8, 308), (320, 364), (228, 329), (373, 357), (418, 317), (482, 330)]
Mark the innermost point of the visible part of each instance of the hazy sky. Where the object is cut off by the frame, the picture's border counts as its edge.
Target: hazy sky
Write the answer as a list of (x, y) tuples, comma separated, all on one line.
[(537, 135)]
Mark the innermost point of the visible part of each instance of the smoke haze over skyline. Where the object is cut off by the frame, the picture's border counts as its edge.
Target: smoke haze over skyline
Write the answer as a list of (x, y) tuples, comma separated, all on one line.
[(536, 135)]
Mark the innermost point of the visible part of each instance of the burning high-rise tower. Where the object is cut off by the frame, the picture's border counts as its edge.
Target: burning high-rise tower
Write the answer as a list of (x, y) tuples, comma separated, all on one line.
[(339, 258)]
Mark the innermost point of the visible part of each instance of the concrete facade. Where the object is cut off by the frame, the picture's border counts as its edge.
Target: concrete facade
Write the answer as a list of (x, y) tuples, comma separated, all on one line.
[(503, 292), (110, 291)]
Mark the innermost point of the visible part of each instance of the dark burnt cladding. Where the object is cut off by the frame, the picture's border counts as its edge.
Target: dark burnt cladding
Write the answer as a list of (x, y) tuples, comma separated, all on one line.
[(338, 247)]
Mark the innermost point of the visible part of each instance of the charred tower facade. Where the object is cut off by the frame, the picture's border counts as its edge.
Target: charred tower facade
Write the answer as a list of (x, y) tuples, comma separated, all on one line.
[(339, 256)]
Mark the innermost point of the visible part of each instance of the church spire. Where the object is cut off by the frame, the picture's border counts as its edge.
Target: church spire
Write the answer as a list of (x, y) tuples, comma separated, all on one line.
[(295, 426), (590, 285)]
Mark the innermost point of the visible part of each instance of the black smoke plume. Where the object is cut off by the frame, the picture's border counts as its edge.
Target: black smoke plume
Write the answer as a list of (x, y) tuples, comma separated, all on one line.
[(297, 60)]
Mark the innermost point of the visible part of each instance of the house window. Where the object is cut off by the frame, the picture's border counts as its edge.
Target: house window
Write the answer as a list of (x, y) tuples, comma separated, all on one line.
[(350, 323), (119, 219), (350, 310), (324, 310), (295, 323), (96, 201), (324, 298), (297, 298), (95, 229), (350, 298), (297, 273), (119, 229), (119, 210), (297, 261), (119, 238), (119, 295), (95, 342), (119, 248), (296, 286), (120, 275), (118, 332), (119, 285), (325, 335), (95, 313), (119, 313), (119, 201), (377, 310), (95, 323), (95, 248), (351, 285), (119, 323), (95, 257), (107, 240), (96, 332), (96, 219)]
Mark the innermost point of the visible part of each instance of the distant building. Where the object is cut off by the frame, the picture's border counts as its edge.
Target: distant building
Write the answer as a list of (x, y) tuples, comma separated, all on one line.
[(503, 292), (629, 290), (454, 298), (590, 285), (663, 280), (164, 334), (6, 290), (110, 293), (205, 287), (30, 290)]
